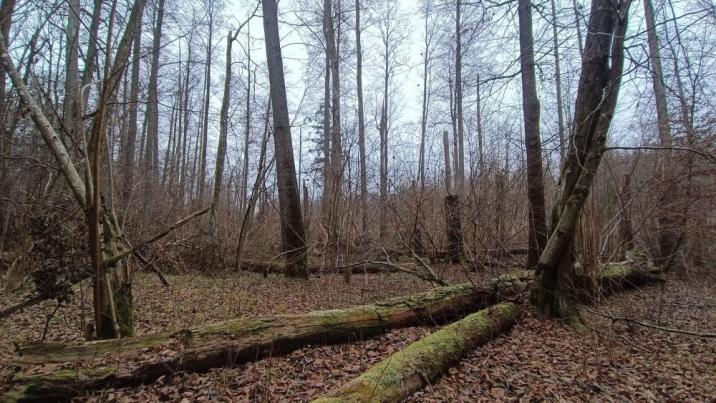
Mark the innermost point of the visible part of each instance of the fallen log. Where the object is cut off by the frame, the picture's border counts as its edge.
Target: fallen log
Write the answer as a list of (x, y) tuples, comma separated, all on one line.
[(410, 369), (58, 371)]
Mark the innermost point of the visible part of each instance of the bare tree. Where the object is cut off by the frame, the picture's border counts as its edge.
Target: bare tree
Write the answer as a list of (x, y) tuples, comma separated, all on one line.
[(537, 232), (151, 146), (669, 239), (602, 66), (292, 232), (361, 125)]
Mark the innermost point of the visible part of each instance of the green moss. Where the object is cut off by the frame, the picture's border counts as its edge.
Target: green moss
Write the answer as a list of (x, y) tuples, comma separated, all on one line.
[(424, 360), (614, 270), (125, 309)]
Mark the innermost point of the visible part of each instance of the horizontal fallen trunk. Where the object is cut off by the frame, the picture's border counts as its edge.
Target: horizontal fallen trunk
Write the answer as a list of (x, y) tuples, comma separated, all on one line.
[(614, 277), (410, 369), (58, 371)]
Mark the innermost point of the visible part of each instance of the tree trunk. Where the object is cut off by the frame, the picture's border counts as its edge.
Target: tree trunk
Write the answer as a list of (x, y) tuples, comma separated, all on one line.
[(460, 154), (424, 114), (480, 134), (383, 130), (152, 136), (578, 25), (58, 371), (537, 232), (247, 131), (223, 129), (446, 155), (207, 101), (626, 232), (405, 372), (7, 8), (292, 233), (242, 340), (361, 126), (128, 149), (335, 177), (558, 84), (669, 238), (453, 225), (602, 66)]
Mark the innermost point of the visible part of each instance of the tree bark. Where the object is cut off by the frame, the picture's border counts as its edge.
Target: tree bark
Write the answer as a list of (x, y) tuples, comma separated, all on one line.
[(453, 225), (223, 129), (207, 100), (242, 340), (537, 232), (61, 370), (669, 239), (460, 154), (336, 152), (128, 149), (361, 126), (558, 84), (602, 66), (405, 372), (150, 165), (292, 232), (446, 155)]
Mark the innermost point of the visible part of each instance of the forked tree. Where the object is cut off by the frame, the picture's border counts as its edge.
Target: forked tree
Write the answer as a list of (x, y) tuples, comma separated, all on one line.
[(602, 65)]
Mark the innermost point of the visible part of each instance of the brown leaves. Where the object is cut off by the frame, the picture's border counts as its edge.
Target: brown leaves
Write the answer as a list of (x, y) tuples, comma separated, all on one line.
[(540, 359)]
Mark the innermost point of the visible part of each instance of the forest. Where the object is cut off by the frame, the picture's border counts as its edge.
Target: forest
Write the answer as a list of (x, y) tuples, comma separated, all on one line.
[(357, 200)]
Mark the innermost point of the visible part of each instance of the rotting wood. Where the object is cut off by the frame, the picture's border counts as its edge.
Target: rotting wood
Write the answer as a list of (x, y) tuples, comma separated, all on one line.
[(58, 371), (422, 362)]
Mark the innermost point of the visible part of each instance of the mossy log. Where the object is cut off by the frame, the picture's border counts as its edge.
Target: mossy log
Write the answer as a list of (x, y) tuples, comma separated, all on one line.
[(410, 369), (615, 277), (58, 371)]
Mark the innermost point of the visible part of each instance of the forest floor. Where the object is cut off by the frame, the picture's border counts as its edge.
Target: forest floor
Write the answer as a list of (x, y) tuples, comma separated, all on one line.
[(538, 359)]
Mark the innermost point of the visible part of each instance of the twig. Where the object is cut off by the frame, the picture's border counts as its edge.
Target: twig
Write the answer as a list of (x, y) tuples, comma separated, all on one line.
[(114, 259), (152, 267), (47, 322), (650, 326), (708, 156)]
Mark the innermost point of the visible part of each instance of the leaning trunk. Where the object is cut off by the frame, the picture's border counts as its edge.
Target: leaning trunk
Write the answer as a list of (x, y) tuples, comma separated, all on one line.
[(602, 67), (292, 233)]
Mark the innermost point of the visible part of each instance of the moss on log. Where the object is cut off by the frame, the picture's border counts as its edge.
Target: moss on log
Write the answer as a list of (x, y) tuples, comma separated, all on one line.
[(57, 371), (410, 369)]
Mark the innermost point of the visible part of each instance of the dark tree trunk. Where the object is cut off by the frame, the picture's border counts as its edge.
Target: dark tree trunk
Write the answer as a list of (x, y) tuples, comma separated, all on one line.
[(292, 232), (537, 232), (128, 148), (361, 126), (454, 228), (602, 66), (152, 136), (669, 255)]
